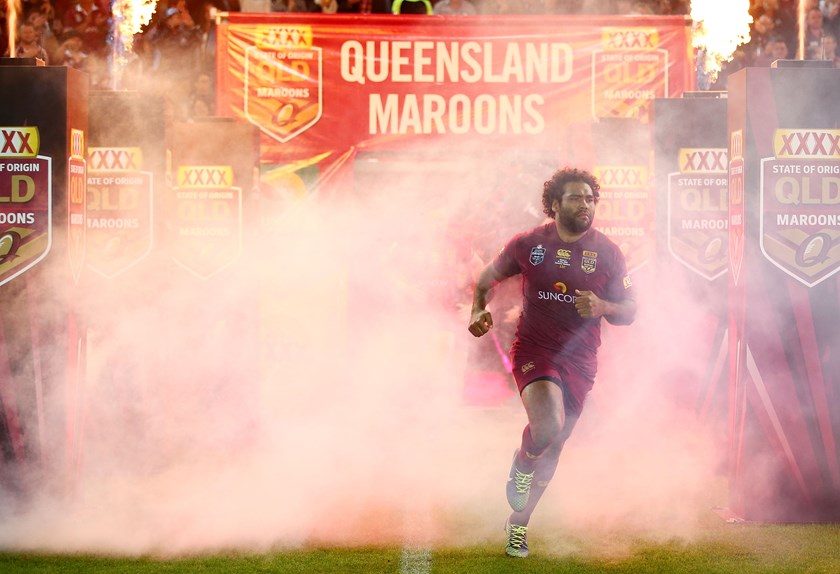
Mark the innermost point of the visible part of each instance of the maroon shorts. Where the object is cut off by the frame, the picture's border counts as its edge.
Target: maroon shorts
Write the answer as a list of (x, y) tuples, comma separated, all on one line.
[(529, 367)]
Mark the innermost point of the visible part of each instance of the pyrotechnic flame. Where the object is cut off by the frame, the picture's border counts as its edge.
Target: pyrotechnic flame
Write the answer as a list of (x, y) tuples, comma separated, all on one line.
[(719, 28), (129, 18), (12, 11)]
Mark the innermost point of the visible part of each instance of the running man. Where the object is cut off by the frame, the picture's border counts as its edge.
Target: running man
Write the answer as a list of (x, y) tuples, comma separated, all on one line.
[(572, 275)]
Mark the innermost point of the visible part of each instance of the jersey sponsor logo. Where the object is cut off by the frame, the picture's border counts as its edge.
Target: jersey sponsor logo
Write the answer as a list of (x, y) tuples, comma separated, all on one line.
[(561, 297), (563, 258), (530, 366), (537, 255), (560, 286), (589, 261), (627, 282)]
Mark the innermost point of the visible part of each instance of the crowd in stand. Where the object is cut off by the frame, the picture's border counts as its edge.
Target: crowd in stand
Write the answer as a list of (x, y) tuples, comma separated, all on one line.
[(177, 43), (775, 34)]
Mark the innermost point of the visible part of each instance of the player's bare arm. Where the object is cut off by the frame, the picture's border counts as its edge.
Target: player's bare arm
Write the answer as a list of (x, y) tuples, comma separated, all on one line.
[(481, 321), (590, 306)]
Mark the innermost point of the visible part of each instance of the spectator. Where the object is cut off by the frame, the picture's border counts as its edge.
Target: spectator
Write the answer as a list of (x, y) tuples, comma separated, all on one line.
[(455, 8), (364, 6), (45, 36), (761, 30), (775, 48), (290, 6), (174, 43), (831, 12), (829, 49), (814, 33), (202, 89), (327, 6), (91, 22), (783, 14), (27, 45), (71, 52)]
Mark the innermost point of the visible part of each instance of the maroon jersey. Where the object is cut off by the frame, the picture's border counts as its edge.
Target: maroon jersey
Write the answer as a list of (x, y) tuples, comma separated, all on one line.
[(551, 272)]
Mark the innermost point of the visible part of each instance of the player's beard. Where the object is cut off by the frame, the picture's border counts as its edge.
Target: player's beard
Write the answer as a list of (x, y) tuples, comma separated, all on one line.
[(574, 223)]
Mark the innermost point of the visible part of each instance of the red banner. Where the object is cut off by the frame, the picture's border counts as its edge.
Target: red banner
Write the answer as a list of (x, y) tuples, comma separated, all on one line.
[(320, 87)]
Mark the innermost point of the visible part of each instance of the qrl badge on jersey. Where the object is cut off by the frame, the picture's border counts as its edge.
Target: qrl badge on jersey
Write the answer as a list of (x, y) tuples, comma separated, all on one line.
[(283, 81), (800, 204), (537, 255), (589, 261), (25, 201)]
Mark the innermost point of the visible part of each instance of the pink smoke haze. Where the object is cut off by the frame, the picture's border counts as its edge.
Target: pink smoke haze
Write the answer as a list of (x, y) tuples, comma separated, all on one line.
[(351, 428)]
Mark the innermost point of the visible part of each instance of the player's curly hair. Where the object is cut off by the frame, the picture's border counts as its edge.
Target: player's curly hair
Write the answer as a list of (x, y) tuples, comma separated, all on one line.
[(555, 187)]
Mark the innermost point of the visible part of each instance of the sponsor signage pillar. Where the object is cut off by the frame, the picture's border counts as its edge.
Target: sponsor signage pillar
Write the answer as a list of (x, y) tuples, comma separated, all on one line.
[(690, 158), (124, 262), (620, 157), (784, 248), (213, 291), (43, 131)]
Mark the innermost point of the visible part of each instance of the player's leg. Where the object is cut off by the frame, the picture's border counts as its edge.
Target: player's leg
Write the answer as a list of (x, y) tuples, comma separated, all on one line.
[(544, 405), (550, 423), (536, 459), (544, 470)]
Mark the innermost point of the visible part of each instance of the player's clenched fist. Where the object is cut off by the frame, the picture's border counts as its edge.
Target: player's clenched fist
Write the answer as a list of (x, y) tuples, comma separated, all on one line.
[(481, 322), (588, 304)]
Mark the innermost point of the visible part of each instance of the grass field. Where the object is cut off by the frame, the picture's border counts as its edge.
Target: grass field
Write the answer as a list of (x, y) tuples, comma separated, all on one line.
[(719, 549)]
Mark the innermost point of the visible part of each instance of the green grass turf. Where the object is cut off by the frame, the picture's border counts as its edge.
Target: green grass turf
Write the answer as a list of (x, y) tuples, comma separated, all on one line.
[(722, 549)]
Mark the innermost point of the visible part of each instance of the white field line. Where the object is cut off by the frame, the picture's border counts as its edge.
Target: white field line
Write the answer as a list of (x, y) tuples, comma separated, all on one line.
[(416, 561)]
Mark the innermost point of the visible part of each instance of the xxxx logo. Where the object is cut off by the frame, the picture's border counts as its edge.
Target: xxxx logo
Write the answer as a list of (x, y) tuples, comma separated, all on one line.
[(624, 177), (205, 176), (630, 38), (693, 160), (115, 159), (19, 142), (284, 37), (807, 144)]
